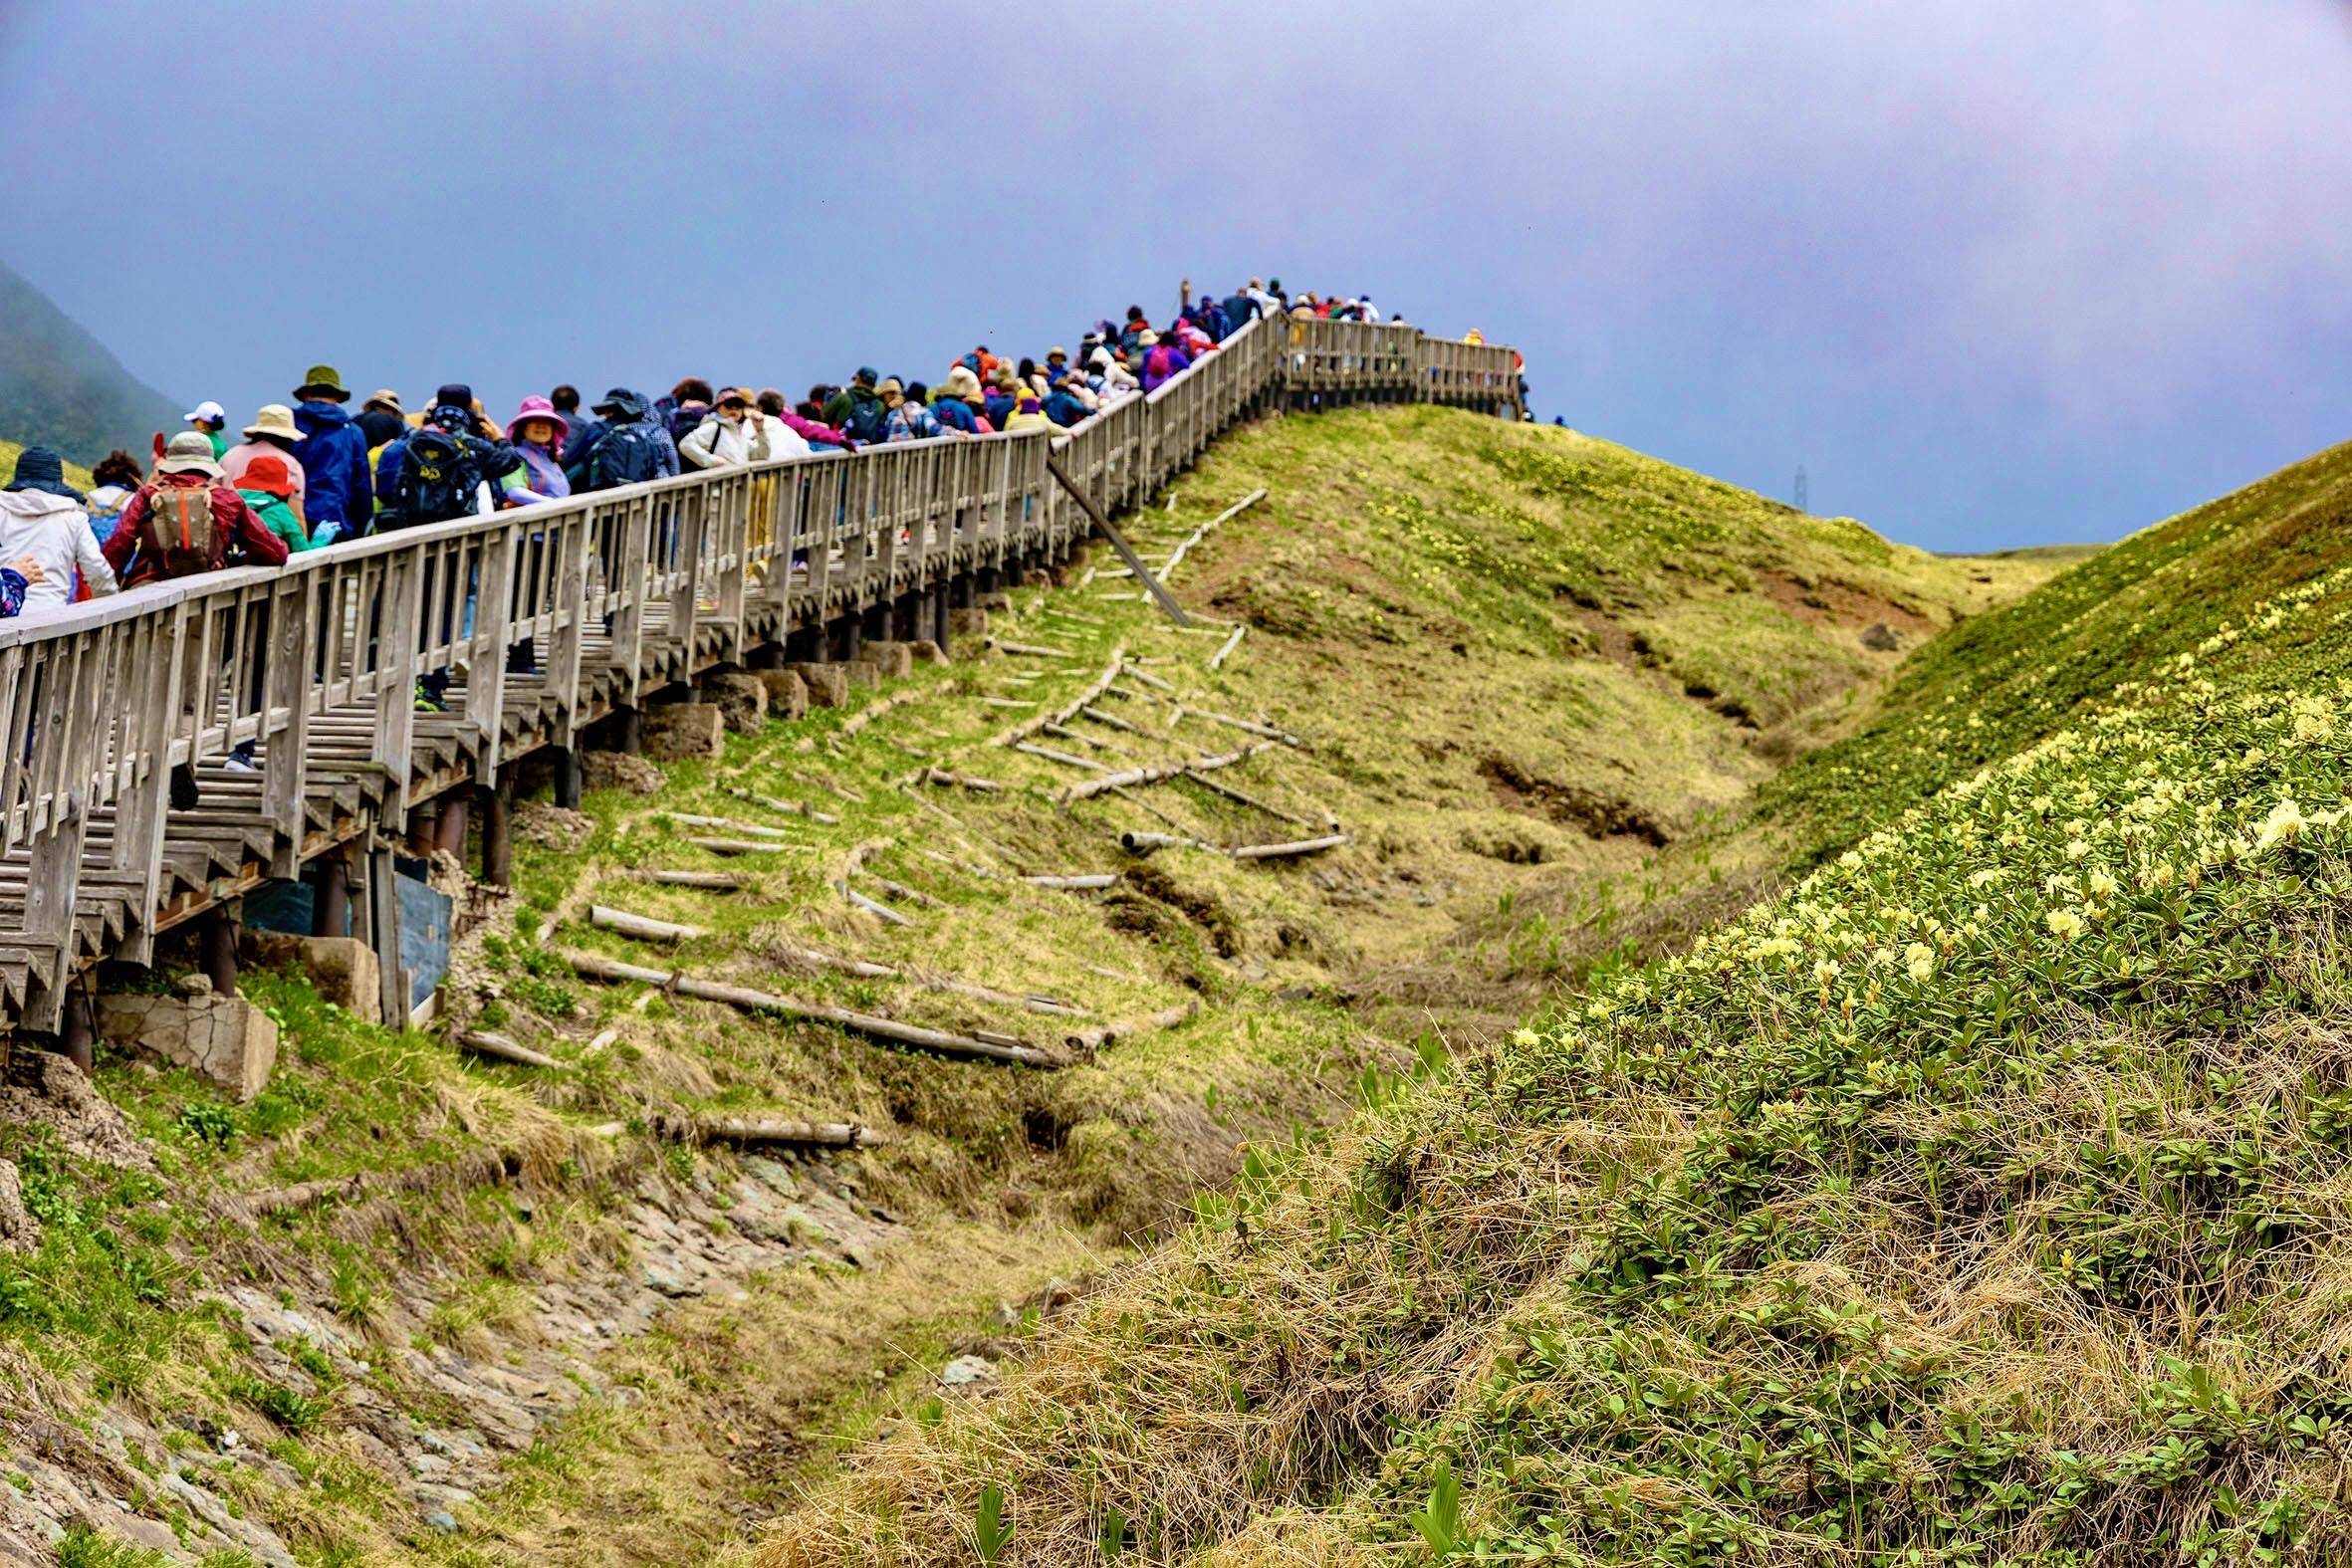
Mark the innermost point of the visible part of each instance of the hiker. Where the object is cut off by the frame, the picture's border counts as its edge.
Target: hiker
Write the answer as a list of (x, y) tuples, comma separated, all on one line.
[(1001, 398), (783, 422), (857, 409), (446, 469), (41, 520), (266, 482), (1057, 366), (1161, 361), (686, 407), (949, 408), (907, 420), (538, 434), (188, 520), (273, 430), (1028, 413), (212, 419), (335, 482), (381, 419), (635, 446), (581, 429), (1239, 309), (731, 435), (1115, 381), (1131, 334), (112, 485), (1066, 406)]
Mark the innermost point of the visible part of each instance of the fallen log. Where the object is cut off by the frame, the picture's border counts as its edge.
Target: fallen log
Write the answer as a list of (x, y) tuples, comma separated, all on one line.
[(1247, 727), (742, 846), (482, 1042), (722, 881), (727, 823), (1304, 846), (774, 1129), (597, 966), (1220, 787), (1112, 720), (1033, 650), (1158, 772), (1147, 678), (866, 969), (1067, 710), (642, 927), (946, 780), (1008, 702), (880, 911), (1146, 843), (787, 808), (1176, 555), (913, 895), (1064, 758), (874, 710), (1129, 1029), (1231, 644), (1087, 883), (1069, 614)]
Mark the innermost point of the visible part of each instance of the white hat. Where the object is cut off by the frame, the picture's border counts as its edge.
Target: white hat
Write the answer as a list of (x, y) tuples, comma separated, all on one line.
[(208, 410)]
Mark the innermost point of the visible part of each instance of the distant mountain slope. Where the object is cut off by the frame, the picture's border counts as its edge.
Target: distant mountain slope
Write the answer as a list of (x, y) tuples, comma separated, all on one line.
[(62, 387)]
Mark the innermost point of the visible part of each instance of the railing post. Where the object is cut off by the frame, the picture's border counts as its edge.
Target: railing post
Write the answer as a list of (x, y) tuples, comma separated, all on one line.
[(632, 570), (397, 670), (734, 559), (485, 683), (294, 636)]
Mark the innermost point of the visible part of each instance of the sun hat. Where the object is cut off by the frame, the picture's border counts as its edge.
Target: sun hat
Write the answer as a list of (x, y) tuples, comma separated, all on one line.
[(208, 410), (191, 452), (1147, 338), (891, 385), (326, 379), (272, 419), (268, 474), (1058, 353), (38, 468), (538, 407), (384, 397)]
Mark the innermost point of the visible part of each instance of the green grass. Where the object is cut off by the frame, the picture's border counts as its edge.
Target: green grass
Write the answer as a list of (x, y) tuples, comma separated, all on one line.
[(1976, 1200)]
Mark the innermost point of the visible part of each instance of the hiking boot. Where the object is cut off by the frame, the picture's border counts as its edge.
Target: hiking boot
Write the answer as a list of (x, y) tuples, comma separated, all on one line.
[(241, 761)]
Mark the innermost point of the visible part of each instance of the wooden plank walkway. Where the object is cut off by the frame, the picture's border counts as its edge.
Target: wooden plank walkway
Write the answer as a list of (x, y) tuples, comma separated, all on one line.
[(121, 814)]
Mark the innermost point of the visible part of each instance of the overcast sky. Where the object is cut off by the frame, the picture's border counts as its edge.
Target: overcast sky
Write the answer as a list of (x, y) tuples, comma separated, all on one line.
[(1995, 272)]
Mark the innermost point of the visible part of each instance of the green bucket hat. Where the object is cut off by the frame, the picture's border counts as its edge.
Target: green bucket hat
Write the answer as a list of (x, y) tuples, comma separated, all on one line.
[(322, 381)]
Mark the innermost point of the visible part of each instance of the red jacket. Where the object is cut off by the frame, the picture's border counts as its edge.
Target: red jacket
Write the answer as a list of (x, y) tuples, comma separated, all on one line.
[(232, 520)]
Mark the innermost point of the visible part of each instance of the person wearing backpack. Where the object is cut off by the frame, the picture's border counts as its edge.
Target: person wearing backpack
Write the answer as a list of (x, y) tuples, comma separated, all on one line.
[(446, 472), (857, 410), (265, 487), (335, 486), (633, 447), (186, 520)]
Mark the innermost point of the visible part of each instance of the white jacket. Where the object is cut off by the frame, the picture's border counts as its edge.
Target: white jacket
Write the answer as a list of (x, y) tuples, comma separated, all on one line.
[(717, 444), (56, 533)]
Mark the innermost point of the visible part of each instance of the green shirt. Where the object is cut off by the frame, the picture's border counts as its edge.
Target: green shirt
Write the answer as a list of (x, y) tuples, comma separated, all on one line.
[(278, 518)]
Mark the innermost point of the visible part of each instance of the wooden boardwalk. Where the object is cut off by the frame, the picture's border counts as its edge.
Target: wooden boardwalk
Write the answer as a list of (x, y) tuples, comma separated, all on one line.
[(621, 594)]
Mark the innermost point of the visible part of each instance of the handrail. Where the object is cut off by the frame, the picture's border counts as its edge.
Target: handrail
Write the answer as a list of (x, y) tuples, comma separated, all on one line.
[(101, 702)]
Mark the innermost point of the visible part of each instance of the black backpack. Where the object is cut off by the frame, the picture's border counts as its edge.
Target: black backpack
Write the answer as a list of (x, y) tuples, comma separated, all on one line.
[(869, 418), (439, 480)]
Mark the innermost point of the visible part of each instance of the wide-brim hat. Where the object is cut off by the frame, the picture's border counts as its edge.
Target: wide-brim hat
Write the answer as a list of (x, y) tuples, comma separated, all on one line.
[(273, 420), (385, 398), (891, 385), (1147, 338), (539, 408), (322, 379), (189, 452), (269, 473)]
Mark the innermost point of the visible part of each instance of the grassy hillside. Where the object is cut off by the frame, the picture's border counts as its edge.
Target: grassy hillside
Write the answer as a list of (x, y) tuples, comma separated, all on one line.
[(62, 388), (1979, 1198), (1515, 661)]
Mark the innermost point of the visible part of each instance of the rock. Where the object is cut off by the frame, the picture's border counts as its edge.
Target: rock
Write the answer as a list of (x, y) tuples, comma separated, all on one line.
[(991, 601), (20, 1232), (964, 625), (827, 683), (152, 1534), (225, 1040), (966, 1369), (441, 1519), (862, 676), (631, 775), (742, 699), (553, 826), (892, 660), (788, 694), (1034, 578), (196, 983), (1881, 638), (927, 652), (344, 970), (675, 732)]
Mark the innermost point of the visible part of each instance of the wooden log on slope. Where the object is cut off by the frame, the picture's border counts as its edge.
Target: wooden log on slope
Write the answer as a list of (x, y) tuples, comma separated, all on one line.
[(597, 966), (483, 1042), (642, 927), (717, 881), (1153, 775)]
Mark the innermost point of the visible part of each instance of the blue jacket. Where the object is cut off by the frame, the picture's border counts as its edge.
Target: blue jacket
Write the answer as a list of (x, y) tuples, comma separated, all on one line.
[(582, 430), (1000, 407), (954, 414), (333, 454), (1239, 309), (1065, 411)]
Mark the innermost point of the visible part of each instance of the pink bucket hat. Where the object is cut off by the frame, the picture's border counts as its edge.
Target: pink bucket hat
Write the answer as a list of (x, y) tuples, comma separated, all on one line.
[(537, 407)]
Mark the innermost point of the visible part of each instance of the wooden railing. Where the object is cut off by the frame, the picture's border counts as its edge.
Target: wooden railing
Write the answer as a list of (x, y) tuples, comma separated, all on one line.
[(318, 662)]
